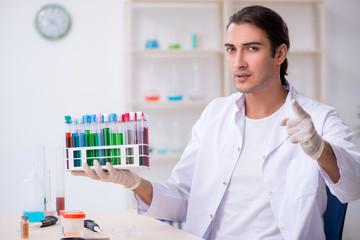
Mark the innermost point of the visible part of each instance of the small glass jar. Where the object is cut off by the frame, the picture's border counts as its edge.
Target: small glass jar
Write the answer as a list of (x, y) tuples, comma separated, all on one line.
[(72, 224), (24, 227)]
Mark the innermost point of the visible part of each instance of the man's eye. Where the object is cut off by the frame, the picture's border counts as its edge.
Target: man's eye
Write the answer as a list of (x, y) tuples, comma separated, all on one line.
[(229, 49), (252, 48)]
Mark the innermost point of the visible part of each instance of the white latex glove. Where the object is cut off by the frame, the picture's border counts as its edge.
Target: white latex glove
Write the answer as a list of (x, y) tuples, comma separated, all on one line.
[(301, 130), (124, 177)]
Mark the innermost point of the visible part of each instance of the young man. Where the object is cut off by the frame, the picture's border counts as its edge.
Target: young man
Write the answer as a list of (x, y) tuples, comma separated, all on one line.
[(258, 161)]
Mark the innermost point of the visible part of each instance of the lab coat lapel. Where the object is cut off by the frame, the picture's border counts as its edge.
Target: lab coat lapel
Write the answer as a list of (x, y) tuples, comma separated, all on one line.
[(234, 142), (279, 133), (238, 135)]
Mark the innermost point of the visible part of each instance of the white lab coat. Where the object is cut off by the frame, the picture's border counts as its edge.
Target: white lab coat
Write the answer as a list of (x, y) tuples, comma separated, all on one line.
[(295, 183)]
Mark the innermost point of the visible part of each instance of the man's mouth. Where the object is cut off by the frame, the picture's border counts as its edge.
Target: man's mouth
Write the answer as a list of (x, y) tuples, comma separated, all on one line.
[(241, 77)]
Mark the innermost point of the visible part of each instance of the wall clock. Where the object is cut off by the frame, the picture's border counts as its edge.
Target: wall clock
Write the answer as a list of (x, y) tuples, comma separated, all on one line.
[(52, 22)]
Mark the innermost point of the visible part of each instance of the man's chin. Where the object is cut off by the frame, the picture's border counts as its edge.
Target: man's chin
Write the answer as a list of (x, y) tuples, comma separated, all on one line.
[(242, 89)]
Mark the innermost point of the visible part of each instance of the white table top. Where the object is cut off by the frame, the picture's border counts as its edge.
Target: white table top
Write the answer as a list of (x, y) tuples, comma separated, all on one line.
[(115, 224)]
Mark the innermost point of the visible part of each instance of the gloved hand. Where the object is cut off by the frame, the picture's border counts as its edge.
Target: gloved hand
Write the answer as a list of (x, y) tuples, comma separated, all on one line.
[(124, 177), (301, 130)]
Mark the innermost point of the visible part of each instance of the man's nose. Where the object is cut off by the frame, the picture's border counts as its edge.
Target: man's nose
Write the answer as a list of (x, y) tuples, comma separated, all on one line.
[(240, 61)]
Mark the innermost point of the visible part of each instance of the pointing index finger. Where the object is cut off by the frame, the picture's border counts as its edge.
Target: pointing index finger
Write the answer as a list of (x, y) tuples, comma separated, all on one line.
[(299, 112)]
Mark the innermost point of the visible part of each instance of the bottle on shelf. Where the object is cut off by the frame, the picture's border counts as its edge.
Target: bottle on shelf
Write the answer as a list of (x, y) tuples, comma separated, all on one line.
[(174, 93), (174, 42), (176, 138), (196, 40), (161, 146), (196, 92), (152, 94), (151, 40)]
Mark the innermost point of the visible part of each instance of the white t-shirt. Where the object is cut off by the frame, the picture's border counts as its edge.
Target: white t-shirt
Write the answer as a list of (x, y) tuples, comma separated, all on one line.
[(245, 212)]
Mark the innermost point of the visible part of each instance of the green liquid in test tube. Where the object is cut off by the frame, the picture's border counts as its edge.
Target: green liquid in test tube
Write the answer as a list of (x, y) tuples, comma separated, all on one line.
[(113, 139), (100, 138), (94, 136), (88, 141), (106, 134)]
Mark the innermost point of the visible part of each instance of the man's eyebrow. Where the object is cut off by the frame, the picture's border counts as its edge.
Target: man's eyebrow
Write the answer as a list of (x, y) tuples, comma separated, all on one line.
[(244, 44), (251, 43)]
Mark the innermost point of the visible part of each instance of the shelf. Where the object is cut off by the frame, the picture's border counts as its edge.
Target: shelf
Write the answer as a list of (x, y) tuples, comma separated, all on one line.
[(299, 52), (168, 157), (159, 19), (150, 3), (176, 53), (202, 52), (252, 2), (185, 104)]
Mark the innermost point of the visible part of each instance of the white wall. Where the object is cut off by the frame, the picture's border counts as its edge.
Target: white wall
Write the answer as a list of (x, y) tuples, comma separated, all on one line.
[(41, 81), (343, 36)]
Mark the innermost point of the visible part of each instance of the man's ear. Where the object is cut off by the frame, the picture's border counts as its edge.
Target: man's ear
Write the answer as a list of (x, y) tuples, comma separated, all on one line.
[(281, 53)]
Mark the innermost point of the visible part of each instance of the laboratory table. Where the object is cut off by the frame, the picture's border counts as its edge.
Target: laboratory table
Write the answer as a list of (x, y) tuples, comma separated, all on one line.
[(115, 224)]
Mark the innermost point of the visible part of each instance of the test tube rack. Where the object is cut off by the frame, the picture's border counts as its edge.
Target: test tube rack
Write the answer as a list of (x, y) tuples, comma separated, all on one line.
[(120, 156)]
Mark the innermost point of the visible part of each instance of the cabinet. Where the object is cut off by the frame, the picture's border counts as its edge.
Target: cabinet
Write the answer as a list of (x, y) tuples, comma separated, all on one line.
[(162, 53), (188, 57)]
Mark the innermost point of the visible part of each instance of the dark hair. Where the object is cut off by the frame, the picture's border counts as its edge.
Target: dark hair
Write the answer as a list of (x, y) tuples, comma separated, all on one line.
[(273, 25)]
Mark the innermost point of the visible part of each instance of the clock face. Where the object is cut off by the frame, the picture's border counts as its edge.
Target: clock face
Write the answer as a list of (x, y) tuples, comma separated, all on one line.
[(52, 22)]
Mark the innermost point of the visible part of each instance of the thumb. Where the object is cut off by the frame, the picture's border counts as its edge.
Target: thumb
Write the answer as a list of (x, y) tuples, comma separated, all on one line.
[(283, 122), (299, 112)]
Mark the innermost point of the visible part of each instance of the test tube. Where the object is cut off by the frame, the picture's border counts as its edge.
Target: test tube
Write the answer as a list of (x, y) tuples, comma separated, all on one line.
[(100, 137), (120, 130), (139, 136), (132, 134), (132, 128), (146, 139), (75, 142), (81, 128), (146, 129), (125, 120), (106, 133), (88, 142), (94, 138), (124, 128), (67, 137), (113, 138), (128, 137), (139, 128)]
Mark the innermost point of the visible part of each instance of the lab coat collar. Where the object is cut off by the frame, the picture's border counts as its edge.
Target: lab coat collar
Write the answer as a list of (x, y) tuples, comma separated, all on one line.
[(278, 133), (240, 97)]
